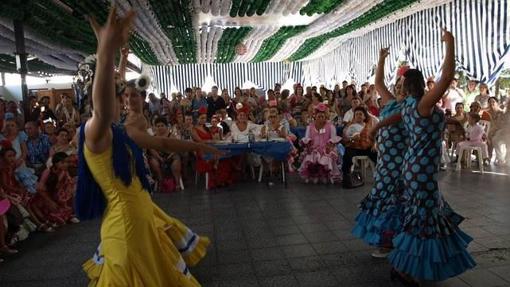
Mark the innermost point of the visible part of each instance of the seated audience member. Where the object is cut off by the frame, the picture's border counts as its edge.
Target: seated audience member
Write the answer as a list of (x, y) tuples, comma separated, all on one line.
[(49, 129), (214, 102), (349, 115), (475, 137), (240, 131), (358, 144), (371, 103), (316, 100), (320, 155), (55, 191), (19, 225), (242, 126), (305, 119), (477, 109), (154, 105), (13, 112), (38, 148), (483, 97), (46, 111), (225, 122), (496, 114), (165, 165), (470, 93), (350, 94), (187, 127), (274, 129), (5, 205), (452, 96), (66, 112), (16, 192), (456, 123), (216, 129), (62, 144), (219, 171), (501, 138), (17, 140)]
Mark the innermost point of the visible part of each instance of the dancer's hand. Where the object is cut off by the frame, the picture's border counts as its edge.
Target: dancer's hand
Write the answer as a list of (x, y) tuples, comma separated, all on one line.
[(115, 33), (205, 148), (447, 36), (124, 52), (383, 53)]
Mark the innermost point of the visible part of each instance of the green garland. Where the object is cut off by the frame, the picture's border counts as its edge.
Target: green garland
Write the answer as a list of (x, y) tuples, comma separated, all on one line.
[(320, 6), (143, 50), (377, 12), (272, 44), (52, 23), (175, 20), (248, 8), (12, 9), (230, 38), (36, 66)]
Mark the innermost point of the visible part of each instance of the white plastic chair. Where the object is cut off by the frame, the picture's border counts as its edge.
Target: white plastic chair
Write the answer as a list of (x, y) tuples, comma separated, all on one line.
[(470, 151), (364, 163)]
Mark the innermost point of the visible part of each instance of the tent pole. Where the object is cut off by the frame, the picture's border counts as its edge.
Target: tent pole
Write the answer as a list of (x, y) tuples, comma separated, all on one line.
[(21, 62)]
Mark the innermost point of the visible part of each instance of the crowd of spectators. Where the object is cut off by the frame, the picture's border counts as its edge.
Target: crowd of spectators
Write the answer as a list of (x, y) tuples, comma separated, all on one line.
[(327, 128)]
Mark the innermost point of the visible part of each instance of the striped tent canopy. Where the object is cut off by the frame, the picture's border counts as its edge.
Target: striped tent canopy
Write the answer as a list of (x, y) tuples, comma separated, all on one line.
[(332, 40)]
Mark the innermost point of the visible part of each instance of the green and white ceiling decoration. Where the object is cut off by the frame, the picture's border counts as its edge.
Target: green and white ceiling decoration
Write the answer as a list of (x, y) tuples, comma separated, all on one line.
[(219, 32), (199, 31)]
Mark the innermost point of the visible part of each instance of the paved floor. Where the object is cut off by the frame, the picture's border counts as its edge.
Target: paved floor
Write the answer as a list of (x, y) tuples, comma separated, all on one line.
[(299, 236)]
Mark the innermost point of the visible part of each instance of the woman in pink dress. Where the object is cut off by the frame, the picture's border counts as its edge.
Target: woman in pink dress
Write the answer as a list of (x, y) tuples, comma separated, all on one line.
[(320, 152)]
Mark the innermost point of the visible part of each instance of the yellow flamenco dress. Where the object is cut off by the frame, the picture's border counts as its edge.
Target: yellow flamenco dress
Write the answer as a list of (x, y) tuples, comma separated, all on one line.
[(140, 244)]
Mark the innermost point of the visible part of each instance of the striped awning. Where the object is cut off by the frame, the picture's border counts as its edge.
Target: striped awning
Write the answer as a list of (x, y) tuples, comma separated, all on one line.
[(481, 29)]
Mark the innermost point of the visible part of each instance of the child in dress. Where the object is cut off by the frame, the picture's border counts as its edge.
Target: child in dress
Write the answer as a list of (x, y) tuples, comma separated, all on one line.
[(475, 137), (17, 193), (56, 189)]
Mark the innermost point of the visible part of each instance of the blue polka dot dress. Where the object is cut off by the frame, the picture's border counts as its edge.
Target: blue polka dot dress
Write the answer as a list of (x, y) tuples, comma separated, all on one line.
[(380, 211), (431, 246)]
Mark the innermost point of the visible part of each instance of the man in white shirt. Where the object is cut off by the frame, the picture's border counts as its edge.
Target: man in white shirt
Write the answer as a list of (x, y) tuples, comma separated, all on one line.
[(355, 102), (453, 96)]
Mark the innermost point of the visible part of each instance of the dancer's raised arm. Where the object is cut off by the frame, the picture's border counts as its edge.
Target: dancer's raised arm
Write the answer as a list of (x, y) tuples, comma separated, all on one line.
[(113, 35), (124, 52), (168, 145), (435, 94), (380, 87)]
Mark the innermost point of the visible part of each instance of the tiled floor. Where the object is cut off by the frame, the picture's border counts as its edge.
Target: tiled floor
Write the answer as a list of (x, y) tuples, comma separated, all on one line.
[(299, 236)]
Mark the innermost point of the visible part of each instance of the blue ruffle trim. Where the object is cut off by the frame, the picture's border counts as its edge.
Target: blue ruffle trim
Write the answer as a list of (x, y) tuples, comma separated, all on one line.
[(370, 228), (434, 259)]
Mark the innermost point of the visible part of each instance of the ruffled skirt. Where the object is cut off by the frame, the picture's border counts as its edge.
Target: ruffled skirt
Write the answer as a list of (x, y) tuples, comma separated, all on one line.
[(318, 165), (183, 247)]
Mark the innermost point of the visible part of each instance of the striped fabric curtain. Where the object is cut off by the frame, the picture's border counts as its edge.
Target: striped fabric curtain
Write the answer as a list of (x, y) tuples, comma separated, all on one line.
[(481, 29), (226, 76)]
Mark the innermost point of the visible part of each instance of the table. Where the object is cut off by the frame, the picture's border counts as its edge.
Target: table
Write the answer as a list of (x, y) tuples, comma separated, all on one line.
[(278, 150)]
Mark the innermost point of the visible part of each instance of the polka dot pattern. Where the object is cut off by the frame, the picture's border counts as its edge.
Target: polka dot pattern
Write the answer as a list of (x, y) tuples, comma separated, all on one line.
[(426, 213), (388, 186)]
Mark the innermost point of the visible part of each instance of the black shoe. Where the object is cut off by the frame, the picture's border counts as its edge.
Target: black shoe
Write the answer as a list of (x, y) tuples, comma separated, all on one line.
[(347, 182), (395, 275)]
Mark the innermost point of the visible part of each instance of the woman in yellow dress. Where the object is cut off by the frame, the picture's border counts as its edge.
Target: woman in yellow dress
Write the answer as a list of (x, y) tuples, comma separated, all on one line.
[(140, 244)]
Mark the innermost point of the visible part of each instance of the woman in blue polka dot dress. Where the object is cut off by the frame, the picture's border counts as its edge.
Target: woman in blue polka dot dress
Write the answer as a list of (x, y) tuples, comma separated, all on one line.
[(380, 211), (431, 247)]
